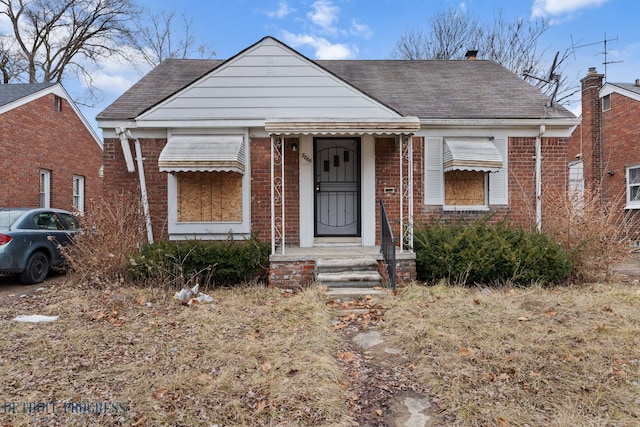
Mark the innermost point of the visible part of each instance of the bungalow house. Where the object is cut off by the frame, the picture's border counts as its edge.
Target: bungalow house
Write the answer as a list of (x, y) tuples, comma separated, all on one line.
[(305, 153), (49, 154), (604, 151)]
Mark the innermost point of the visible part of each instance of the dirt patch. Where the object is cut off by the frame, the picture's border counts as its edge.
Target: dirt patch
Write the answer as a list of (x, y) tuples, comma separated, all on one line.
[(11, 288), (381, 388)]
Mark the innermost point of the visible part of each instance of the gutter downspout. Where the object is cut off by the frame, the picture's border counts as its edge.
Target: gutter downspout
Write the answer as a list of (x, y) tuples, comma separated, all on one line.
[(125, 135), (539, 178)]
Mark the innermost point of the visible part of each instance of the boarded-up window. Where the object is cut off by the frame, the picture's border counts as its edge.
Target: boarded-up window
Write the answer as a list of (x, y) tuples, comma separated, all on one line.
[(209, 197), (464, 188)]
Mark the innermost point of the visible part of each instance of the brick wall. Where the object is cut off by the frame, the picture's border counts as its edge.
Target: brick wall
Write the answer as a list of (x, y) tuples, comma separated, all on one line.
[(118, 181), (610, 142), (35, 136), (621, 142), (261, 188), (521, 182)]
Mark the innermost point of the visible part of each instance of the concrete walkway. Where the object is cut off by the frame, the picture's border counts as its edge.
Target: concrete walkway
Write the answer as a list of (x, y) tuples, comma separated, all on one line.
[(630, 267)]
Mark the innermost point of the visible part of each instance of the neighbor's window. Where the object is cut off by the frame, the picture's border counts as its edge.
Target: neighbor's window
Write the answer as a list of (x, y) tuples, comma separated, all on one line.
[(633, 187), (45, 188), (78, 193), (606, 102), (209, 197), (57, 103), (465, 188)]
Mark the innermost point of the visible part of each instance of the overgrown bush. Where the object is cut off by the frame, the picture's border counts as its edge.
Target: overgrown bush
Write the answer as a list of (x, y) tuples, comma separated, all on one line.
[(209, 263), (480, 252), (593, 230), (112, 230)]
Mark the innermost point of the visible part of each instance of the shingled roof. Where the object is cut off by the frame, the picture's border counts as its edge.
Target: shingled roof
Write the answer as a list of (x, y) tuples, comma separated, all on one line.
[(13, 92), (428, 89), (631, 87)]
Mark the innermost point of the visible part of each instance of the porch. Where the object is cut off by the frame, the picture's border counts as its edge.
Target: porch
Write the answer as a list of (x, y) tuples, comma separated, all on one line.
[(328, 174), (296, 267)]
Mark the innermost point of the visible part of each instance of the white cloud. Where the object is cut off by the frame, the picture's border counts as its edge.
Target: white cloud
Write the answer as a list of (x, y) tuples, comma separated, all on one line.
[(359, 29), (560, 7), (283, 10), (325, 15), (322, 47)]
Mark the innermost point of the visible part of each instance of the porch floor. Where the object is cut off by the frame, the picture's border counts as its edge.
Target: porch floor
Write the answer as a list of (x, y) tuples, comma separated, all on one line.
[(296, 253)]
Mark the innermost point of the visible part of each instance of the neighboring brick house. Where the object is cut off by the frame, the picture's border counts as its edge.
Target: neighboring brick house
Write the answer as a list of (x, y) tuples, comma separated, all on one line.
[(301, 152), (604, 151), (49, 154)]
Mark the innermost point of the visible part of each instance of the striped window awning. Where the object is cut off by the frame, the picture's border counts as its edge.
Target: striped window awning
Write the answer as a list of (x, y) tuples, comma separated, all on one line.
[(471, 155), (203, 153)]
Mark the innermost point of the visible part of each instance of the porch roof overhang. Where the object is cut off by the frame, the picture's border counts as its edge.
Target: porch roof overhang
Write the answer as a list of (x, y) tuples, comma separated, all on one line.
[(203, 153), (471, 155), (388, 126)]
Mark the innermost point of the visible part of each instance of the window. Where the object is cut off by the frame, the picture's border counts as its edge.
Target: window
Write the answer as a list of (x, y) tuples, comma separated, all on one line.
[(465, 188), (45, 188), (57, 103), (78, 193), (633, 187), (466, 173), (576, 183), (606, 102), (207, 186), (209, 197)]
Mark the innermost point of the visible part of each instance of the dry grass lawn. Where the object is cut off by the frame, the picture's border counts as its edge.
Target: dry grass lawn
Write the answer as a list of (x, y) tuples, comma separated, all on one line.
[(526, 357), (254, 357), (508, 357)]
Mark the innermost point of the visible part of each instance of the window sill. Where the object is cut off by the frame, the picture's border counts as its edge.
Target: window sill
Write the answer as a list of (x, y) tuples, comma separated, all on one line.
[(630, 207), (465, 208)]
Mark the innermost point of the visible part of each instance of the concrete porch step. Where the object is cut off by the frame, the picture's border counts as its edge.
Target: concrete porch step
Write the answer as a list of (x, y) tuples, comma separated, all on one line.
[(339, 265), (344, 294), (354, 279)]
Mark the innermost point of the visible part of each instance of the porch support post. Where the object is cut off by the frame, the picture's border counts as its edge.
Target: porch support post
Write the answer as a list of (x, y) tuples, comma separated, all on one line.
[(406, 191), (402, 189), (277, 194)]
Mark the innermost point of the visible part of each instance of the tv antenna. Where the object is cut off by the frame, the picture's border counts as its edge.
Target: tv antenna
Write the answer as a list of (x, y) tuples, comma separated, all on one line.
[(604, 52), (551, 78)]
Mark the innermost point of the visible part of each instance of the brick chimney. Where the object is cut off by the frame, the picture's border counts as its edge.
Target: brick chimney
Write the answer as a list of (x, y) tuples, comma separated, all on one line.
[(593, 153)]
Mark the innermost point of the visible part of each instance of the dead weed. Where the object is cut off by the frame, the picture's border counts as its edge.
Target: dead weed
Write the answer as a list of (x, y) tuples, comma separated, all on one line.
[(253, 357), (537, 356)]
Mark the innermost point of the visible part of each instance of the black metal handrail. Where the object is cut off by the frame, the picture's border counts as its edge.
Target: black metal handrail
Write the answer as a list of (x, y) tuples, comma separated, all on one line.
[(388, 246)]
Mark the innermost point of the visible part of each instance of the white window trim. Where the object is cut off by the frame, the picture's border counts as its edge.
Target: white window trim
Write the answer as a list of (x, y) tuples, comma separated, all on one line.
[(608, 103), (45, 181), (79, 206), (631, 204), (465, 208), (434, 174), (211, 230)]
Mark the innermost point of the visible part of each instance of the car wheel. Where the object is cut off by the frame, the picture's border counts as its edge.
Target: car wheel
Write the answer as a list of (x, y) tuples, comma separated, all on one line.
[(37, 269)]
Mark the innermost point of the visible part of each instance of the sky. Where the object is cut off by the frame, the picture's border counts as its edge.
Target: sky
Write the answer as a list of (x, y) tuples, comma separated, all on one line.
[(369, 29)]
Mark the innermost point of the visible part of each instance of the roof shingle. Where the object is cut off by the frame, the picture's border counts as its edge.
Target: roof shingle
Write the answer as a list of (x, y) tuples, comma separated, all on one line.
[(428, 89), (13, 92)]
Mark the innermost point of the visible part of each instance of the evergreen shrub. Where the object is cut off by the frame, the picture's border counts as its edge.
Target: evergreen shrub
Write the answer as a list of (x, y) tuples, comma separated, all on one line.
[(482, 252), (210, 263)]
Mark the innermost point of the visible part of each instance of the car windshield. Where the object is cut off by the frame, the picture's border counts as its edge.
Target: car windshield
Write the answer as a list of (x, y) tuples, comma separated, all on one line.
[(8, 217)]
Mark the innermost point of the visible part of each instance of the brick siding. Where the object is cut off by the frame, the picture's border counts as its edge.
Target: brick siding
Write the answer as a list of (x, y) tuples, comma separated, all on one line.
[(34, 137), (609, 142)]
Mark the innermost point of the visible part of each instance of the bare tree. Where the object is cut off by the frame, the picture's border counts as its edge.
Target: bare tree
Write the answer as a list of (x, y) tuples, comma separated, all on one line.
[(513, 44), (11, 63), (52, 37), (160, 38), (450, 33)]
